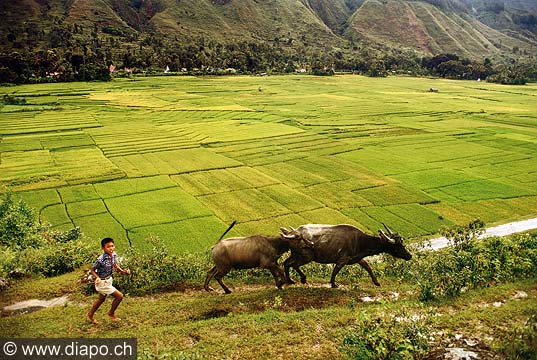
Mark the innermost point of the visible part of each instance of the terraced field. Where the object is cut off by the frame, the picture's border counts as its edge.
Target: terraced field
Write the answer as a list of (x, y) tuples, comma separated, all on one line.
[(182, 157)]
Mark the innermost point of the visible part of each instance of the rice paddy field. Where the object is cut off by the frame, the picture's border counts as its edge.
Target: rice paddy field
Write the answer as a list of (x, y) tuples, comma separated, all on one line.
[(182, 157)]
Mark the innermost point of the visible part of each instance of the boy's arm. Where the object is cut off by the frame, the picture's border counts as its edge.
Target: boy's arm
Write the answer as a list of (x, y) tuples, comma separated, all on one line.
[(118, 268), (97, 278)]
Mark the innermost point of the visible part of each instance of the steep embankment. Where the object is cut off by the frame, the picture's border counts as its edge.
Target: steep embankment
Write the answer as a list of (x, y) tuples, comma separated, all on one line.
[(428, 28), (469, 28)]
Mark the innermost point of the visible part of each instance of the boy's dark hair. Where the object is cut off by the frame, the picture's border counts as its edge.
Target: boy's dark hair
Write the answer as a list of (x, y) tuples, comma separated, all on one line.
[(106, 241)]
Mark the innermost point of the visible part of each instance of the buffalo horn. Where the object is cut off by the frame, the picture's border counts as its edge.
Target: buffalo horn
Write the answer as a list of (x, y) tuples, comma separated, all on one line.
[(390, 240), (288, 237), (284, 230), (387, 228)]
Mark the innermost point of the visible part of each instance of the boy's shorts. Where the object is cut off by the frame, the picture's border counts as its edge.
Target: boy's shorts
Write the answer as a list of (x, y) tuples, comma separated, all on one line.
[(105, 287)]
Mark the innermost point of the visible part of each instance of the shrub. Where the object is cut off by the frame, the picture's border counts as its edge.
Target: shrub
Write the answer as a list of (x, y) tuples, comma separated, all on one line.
[(13, 100), (509, 76), (522, 341), (55, 259), (459, 235), (31, 248), (19, 227), (396, 336), (470, 263), (157, 270)]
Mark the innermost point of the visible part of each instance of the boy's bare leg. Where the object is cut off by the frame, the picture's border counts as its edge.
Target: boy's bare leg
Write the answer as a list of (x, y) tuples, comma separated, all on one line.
[(94, 308), (118, 296)]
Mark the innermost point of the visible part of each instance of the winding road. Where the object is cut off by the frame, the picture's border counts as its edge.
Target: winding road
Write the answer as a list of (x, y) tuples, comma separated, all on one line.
[(500, 230)]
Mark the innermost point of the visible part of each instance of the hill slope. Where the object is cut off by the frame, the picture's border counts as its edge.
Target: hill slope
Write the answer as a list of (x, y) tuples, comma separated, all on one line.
[(472, 28), (430, 29)]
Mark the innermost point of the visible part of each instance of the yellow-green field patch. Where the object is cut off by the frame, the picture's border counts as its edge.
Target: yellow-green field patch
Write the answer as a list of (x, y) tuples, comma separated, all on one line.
[(86, 208), (243, 205), (97, 227), (55, 214), (191, 235), (132, 186), (155, 207)]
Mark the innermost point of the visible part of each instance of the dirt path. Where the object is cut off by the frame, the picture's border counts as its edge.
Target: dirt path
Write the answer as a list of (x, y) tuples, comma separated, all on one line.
[(500, 230)]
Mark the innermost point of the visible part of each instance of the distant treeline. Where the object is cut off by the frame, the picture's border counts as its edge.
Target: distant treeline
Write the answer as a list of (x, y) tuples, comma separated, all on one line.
[(60, 65)]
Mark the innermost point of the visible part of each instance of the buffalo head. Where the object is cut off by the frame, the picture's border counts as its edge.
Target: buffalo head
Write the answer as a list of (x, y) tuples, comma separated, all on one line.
[(394, 244), (295, 239)]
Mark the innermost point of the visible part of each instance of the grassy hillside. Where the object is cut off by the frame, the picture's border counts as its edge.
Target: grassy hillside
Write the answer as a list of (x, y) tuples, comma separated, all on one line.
[(431, 29), (182, 157), (243, 20), (113, 27), (303, 321)]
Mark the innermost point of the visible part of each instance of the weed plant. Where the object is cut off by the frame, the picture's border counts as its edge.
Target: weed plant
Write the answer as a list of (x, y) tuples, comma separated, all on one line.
[(157, 270), (469, 264), (522, 342), (394, 336), (30, 248)]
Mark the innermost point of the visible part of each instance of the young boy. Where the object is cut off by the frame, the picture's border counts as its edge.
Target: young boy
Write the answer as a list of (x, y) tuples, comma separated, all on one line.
[(102, 270)]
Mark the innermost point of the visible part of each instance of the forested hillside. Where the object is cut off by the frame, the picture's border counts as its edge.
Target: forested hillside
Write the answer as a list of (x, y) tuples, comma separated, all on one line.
[(77, 39)]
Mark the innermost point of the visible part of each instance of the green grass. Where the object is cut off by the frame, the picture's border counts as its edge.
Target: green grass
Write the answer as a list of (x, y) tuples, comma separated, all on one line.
[(99, 226), (86, 208), (78, 193), (258, 321), (55, 214), (124, 187), (155, 207), (191, 235), (142, 156)]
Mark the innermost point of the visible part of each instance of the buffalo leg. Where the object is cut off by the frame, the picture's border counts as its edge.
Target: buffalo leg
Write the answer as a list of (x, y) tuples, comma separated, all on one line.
[(279, 276), (218, 276), (295, 264), (336, 270), (366, 266), (210, 274)]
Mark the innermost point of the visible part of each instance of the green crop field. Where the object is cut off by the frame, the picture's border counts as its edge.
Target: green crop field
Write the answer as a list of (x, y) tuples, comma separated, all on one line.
[(182, 157)]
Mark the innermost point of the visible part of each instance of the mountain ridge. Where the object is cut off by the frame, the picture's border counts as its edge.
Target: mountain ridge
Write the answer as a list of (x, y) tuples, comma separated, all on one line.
[(471, 28)]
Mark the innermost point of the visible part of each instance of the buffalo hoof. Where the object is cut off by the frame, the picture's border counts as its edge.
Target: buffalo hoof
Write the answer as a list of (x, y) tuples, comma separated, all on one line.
[(303, 280), (335, 286), (376, 283), (290, 282)]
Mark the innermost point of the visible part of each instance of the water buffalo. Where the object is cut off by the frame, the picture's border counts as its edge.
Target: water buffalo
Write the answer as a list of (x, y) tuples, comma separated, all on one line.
[(251, 252), (340, 245)]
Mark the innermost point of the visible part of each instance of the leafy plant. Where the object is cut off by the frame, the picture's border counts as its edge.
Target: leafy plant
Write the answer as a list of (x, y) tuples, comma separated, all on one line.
[(393, 337), (458, 235), (19, 226), (31, 248), (522, 342), (157, 270), (468, 264)]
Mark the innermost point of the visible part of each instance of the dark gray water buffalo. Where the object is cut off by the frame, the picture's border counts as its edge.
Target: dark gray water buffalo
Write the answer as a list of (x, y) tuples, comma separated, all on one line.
[(340, 245), (252, 252)]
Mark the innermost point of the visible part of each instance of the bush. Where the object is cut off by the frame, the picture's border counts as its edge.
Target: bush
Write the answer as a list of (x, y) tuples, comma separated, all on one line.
[(13, 100), (19, 227), (509, 76), (522, 342), (55, 259), (469, 264), (391, 337), (157, 270), (30, 248)]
